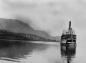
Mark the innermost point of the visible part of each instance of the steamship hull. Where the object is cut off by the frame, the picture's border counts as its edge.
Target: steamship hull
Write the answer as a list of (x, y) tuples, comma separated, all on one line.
[(69, 36)]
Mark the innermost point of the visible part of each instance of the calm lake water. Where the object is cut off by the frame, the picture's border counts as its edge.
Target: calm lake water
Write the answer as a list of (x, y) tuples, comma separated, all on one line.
[(42, 52), (31, 52)]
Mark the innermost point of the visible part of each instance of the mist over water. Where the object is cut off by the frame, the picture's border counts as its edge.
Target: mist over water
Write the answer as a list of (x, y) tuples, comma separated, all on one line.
[(80, 51), (51, 17), (30, 52), (43, 52)]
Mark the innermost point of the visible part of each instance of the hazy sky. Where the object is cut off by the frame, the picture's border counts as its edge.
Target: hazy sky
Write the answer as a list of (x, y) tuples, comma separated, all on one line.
[(46, 15)]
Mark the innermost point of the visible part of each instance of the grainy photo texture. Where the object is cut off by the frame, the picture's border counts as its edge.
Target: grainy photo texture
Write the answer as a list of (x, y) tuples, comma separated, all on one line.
[(42, 31)]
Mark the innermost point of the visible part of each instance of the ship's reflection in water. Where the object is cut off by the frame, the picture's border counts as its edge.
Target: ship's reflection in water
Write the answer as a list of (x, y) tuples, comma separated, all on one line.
[(31, 52), (36, 52), (68, 51)]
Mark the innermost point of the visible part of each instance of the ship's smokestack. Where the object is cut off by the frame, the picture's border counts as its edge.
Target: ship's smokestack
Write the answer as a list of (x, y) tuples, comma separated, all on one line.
[(69, 25)]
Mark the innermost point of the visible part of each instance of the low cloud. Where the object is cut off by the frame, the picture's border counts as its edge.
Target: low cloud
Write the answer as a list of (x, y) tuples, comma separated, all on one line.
[(49, 15)]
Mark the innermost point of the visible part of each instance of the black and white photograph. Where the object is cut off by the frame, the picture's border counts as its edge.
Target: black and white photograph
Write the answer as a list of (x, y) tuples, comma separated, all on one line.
[(42, 31)]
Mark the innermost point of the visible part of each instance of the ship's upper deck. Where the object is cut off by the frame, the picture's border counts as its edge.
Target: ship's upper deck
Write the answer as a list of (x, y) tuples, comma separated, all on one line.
[(69, 30), (65, 32)]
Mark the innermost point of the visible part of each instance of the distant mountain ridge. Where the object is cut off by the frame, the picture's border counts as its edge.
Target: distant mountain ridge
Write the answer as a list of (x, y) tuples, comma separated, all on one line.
[(17, 26), (10, 36)]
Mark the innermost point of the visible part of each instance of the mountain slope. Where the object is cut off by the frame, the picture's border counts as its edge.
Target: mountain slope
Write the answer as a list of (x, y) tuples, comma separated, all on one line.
[(18, 26)]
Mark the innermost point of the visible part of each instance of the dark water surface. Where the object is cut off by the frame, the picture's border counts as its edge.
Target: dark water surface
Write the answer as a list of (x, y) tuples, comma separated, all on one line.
[(36, 52), (30, 52)]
